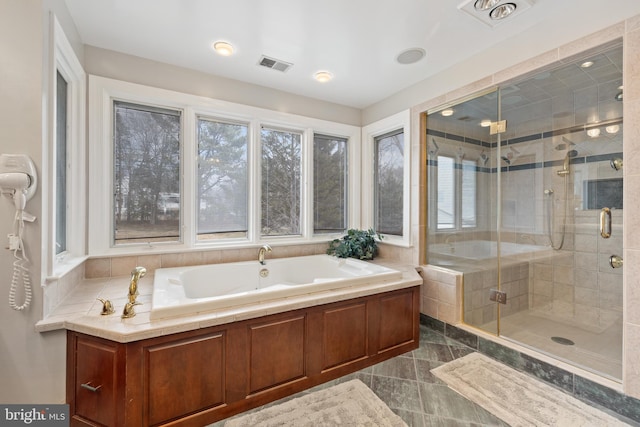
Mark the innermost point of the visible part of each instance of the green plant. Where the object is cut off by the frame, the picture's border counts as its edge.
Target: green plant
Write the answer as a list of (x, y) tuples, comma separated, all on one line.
[(360, 244)]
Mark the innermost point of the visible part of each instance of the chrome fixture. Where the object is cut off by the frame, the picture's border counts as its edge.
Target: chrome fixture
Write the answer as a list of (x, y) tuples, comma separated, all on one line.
[(619, 96), (261, 253), (615, 261), (485, 4), (564, 172), (616, 163), (136, 274), (107, 307)]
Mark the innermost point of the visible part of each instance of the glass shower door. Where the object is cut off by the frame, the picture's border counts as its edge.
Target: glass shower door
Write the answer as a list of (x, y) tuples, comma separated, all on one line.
[(463, 166)]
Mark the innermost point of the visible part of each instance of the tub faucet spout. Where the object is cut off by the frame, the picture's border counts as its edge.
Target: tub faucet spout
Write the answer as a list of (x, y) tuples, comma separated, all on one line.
[(263, 250), (136, 274)]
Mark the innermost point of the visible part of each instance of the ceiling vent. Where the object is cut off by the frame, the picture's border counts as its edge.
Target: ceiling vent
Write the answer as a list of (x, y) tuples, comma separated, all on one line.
[(274, 64)]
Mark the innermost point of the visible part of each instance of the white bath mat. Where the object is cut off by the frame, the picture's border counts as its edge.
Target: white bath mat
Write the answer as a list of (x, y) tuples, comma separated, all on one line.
[(516, 398), (348, 404)]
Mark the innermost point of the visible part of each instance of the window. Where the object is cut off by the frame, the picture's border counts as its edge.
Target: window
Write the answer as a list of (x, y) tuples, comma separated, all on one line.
[(389, 183), (63, 180), (170, 168), (457, 189), (281, 182), (330, 183), (61, 164), (223, 180), (146, 173)]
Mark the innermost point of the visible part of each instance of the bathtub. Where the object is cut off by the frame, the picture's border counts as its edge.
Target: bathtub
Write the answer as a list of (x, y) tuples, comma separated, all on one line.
[(483, 249), (190, 290)]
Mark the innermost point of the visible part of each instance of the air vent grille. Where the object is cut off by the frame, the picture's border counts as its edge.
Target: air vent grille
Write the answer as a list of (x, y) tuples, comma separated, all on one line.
[(274, 64)]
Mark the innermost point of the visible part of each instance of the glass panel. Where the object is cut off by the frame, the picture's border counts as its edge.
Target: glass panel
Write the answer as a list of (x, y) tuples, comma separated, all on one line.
[(61, 164), (222, 180), (330, 180), (462, 176), (281, 182), (389, 183), (564, 130), (146, 174)]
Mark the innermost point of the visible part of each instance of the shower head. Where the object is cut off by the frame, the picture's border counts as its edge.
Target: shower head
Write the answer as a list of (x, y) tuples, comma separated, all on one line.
[(565, 165), (506, 160)]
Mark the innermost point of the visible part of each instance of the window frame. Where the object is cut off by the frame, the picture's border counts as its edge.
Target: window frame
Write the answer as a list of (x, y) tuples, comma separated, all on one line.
[(458, 199), (63, 60), (398, 121), (102, 92)]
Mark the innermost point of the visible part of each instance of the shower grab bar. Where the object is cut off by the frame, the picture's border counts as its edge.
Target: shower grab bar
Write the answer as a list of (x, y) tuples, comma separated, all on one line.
[(605, 223)]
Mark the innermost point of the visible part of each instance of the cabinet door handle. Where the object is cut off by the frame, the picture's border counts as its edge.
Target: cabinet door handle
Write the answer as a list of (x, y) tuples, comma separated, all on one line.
[(89, 387), (605, 223)]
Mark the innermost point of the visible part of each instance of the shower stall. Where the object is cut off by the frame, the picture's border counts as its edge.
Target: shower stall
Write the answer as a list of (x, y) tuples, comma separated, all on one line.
[(525, 200)]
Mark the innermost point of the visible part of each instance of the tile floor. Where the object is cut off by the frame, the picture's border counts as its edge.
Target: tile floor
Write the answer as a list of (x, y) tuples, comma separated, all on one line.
[(407, 386)]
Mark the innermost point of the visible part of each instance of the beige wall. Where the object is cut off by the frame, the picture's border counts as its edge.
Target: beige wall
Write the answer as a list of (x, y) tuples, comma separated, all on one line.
[(119, 66)]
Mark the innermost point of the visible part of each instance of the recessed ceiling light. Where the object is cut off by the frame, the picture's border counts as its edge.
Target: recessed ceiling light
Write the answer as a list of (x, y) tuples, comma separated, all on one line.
[(323, 76), (410, 56), (586, 64), (593, 133), (223, 48), (446, 113), (612, 129), (502, 11), (485, 123), (485, 4)]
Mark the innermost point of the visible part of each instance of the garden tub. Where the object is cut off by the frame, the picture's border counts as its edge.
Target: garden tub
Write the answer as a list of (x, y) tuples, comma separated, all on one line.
[(190, 290)]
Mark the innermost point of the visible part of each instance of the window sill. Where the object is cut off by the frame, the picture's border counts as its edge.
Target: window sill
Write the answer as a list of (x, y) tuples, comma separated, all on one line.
[(68, 264)]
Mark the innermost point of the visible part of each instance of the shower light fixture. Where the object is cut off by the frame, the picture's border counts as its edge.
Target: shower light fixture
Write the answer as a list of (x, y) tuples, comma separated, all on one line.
[(586, 64), (223, 48), (593, 133), (502, 11), (446, 113), (612, 129), (323, 76), (485, 123)]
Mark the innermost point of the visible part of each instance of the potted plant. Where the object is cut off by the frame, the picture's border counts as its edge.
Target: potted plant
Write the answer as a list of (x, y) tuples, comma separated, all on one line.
[(360, 244)]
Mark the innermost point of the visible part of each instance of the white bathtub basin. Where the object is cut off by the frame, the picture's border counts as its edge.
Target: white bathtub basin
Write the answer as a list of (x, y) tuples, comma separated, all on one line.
[(190, 290)]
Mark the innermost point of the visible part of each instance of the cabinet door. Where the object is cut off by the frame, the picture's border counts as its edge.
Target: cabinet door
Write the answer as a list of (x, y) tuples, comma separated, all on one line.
[(398, 320), (277, 352), (184, 377), (96, 378), (345, 335)]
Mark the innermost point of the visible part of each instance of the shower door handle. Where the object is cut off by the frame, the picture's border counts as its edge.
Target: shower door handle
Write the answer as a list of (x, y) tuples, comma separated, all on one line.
[(605, 223)]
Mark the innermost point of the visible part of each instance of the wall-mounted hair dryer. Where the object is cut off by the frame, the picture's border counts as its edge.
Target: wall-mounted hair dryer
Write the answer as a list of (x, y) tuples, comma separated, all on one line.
[(18, 181)]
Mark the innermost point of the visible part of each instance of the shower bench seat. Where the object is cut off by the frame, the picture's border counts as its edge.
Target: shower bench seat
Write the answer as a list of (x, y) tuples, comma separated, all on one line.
[(198, 377)]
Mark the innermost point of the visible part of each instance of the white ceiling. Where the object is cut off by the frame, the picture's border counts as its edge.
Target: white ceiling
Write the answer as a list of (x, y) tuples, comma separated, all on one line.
[(356, 40)]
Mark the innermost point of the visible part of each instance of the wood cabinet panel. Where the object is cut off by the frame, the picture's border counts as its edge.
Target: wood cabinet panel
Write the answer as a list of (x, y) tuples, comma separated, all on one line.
[(277, 352), (198, 377), (397, 320), (344, 335), (96, 379), (184, 376)]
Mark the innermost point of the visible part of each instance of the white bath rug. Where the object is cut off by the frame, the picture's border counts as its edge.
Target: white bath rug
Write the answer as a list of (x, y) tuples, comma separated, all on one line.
[(516, 398), (348, 404)]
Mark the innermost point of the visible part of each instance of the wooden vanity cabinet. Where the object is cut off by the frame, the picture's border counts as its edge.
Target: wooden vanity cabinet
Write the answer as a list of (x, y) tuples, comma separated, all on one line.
[(198, 377)]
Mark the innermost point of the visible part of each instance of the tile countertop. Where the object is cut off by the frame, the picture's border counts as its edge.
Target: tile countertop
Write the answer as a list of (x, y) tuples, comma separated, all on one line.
[(80, 310)]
